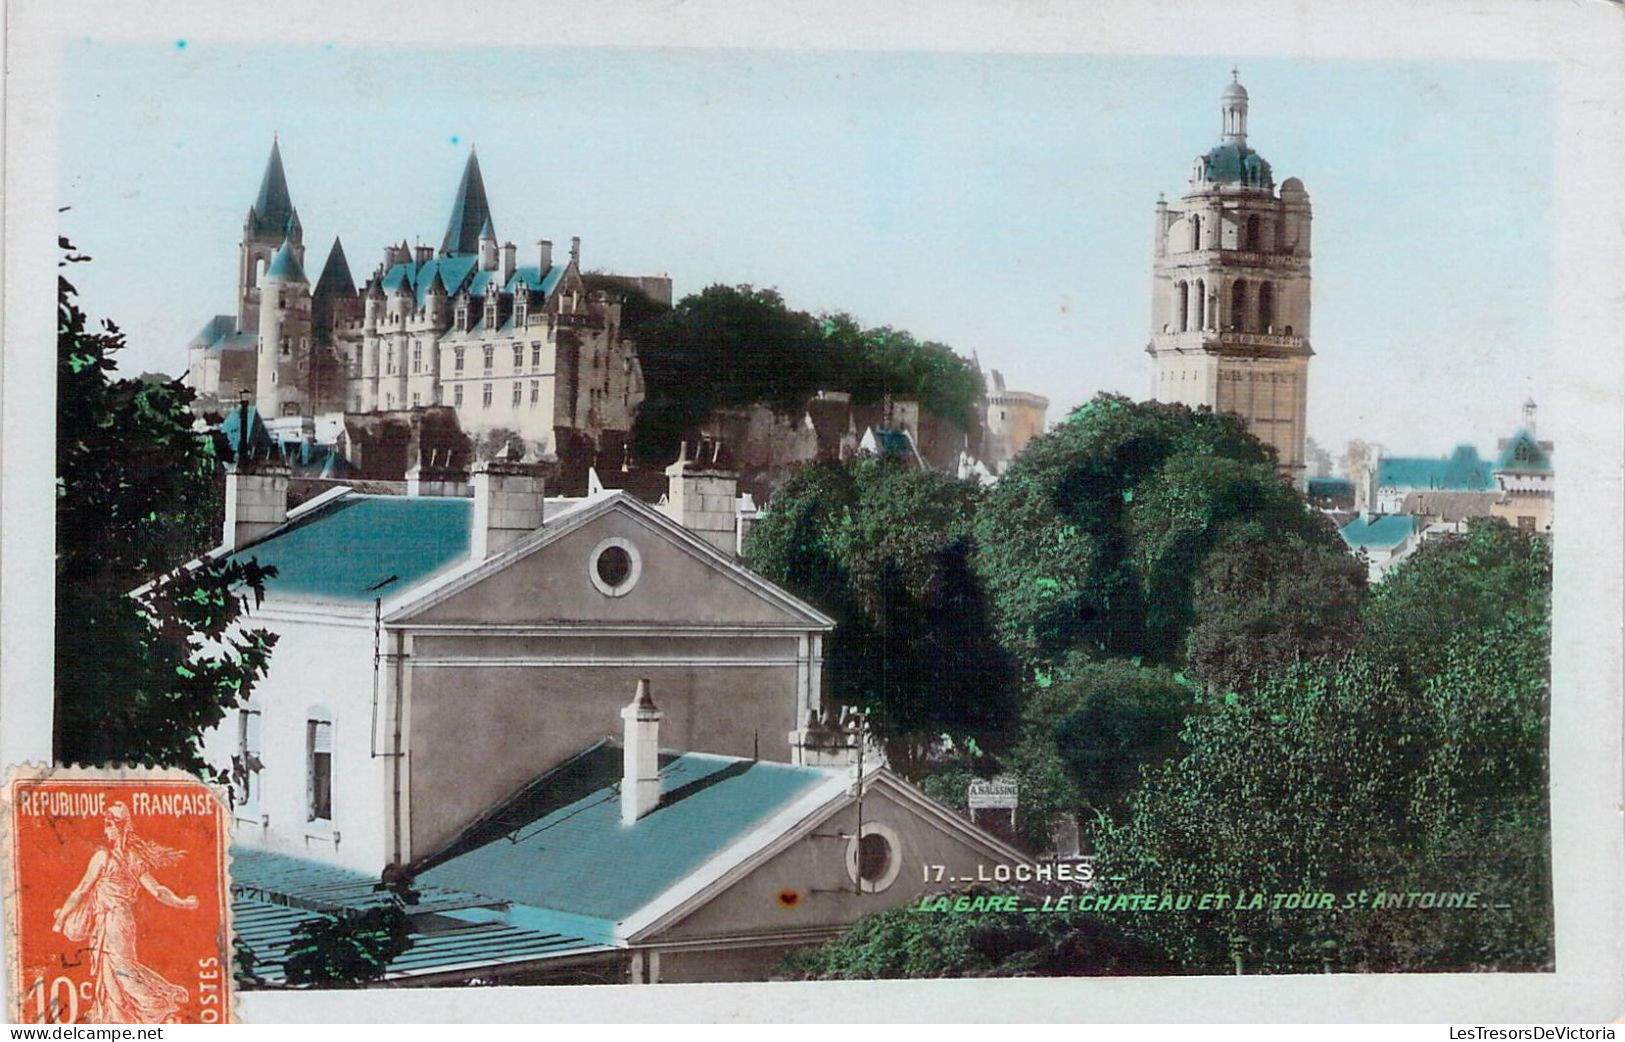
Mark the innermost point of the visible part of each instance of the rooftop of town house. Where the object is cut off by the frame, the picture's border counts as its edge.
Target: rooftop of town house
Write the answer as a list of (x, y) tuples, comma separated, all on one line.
[(1378, 531), (559, 843), (1461, 471)]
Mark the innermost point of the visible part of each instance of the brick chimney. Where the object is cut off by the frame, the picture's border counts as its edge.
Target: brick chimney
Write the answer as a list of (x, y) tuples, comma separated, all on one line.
[(701, 493), (507, 505), (256, 500), (640, 772)]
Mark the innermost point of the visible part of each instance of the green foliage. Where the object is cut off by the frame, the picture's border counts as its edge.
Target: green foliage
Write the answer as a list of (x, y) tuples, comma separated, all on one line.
[(1492, 575), (139, 678), (1356, 774), (1100, 724), (1094, 538), (904, 943), (885, 551), (348, 951), (1264, 601), (731, 346)]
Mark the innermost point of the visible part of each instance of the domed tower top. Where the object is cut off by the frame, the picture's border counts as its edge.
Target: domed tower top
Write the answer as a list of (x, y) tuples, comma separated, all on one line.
[(1233, 105), (1232, 162)]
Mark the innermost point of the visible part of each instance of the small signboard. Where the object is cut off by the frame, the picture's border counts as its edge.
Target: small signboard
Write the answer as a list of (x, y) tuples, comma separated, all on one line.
[(992, 794)]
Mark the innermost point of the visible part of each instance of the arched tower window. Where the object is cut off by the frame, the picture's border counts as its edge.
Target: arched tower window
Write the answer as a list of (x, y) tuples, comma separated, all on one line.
[(1201, 305), (1254, 238), (1196, 231), (1238, 304), (1266, 306), (1182, 290)]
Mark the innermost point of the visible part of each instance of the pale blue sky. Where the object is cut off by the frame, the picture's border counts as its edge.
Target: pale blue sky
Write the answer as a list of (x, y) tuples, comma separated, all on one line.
[(1000, 203)]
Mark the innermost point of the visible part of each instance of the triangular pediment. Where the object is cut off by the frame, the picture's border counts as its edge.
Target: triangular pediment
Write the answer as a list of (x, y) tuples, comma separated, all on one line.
[(553, 578)]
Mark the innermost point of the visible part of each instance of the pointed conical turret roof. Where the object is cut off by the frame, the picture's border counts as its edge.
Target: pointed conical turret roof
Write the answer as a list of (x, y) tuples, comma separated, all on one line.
[(285, 266), (487, 232), (335, 277), (470, 213), (273, 209)]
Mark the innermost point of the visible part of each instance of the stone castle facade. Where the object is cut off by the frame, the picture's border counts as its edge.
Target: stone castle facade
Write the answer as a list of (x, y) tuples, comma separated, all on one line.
[(528, 345), (1230, 294)]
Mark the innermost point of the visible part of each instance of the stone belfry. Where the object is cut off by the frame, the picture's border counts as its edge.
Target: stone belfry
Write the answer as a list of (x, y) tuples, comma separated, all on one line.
[(1230, 292), (271, 221)]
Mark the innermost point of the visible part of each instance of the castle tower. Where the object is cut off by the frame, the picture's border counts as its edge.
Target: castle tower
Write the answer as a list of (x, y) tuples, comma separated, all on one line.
[(270, 221), (1230, 292), (284, 340)]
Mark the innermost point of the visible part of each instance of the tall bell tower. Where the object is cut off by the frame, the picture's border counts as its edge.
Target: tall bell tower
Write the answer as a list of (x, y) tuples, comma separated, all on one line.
[(1230, 292)]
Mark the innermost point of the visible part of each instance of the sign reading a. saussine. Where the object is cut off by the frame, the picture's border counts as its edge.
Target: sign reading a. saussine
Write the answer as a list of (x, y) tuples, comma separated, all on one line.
[(118, 910), (992, 794)]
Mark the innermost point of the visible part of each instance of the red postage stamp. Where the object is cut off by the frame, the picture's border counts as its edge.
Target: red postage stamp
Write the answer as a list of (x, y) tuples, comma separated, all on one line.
[(116, 895)]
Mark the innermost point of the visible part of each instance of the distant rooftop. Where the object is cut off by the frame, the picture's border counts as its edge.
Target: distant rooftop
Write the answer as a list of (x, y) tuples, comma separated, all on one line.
[(1461, 471), (1378, 532)]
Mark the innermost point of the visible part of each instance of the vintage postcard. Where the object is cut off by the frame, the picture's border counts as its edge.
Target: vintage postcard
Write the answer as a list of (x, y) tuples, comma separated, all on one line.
[(117, 897), (1000, 495)]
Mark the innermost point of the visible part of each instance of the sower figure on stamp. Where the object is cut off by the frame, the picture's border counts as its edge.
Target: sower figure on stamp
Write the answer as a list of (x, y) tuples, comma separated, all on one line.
[(102, 909)]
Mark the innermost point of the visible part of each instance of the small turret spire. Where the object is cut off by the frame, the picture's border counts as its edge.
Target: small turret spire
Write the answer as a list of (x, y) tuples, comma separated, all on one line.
[(1233, 109)]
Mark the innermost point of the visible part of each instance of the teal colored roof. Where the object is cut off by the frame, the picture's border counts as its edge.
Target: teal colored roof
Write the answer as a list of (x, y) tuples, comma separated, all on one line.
[(470, 212), (892, 443), (453, 273), (285, 264), (273, 894), (213, 330), (239, 420), (1324, 488), (1461, 471), (532, 277), (1524, 455), (342, 551), (1231, 163), (1378, 532), (559, 844), (272, 207)]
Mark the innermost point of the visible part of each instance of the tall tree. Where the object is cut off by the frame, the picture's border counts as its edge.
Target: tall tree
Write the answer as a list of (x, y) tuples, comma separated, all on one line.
[(1094, 538), (139, 675), (886, 550)]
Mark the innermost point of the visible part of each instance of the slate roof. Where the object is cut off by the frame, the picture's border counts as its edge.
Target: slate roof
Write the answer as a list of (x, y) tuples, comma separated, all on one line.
[(1461, 471), (273, 209), (1231, 163), (559, 843), (335, 276), (273, 894), (470, 212), (1449, 505), (217, 327), (1522, 454), (343, 550), (285, 264), (1378, 532)]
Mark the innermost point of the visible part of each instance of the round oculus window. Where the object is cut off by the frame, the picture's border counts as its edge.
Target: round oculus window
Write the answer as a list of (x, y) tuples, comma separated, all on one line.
[(873, 858), (614, 567)]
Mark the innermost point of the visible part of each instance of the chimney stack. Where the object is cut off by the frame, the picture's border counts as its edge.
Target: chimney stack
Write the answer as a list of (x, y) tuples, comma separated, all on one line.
[(507, 505), (436, 476), (256, 500), (575, 250), (701, 494), (510, 253), (544, 249), (640, 773)]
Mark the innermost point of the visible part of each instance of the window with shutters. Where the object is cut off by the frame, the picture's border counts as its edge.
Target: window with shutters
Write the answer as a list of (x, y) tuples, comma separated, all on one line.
[(319, 769)]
